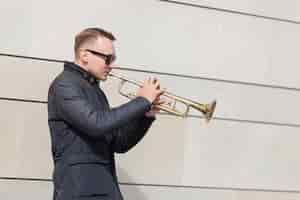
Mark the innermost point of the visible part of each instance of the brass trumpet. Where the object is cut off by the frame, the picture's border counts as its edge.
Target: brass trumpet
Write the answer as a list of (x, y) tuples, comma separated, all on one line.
[(170, 107)]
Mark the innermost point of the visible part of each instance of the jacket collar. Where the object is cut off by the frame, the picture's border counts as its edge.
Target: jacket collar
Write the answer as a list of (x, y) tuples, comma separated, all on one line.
[(71, 66)]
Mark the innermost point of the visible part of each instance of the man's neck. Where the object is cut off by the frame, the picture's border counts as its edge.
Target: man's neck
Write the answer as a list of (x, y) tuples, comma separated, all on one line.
[(81, 65)]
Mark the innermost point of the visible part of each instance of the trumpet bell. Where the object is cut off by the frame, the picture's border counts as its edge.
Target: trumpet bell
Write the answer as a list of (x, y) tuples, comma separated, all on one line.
[(209, 110)]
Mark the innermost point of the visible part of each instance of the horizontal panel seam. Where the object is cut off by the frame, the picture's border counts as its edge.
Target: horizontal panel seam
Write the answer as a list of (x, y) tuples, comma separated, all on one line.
[(22, 100), (231, 11), (188, 116), (166, 186), (131, 68)]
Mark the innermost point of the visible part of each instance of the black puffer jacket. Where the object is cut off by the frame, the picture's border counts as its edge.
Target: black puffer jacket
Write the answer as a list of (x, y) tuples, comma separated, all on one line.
[(86, 132)]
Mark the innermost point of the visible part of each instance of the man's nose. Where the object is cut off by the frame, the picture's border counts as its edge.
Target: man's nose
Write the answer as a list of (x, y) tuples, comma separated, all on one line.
[(111, 66)]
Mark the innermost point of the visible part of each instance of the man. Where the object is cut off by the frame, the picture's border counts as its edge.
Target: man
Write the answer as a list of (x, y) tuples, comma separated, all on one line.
[(85, 131)]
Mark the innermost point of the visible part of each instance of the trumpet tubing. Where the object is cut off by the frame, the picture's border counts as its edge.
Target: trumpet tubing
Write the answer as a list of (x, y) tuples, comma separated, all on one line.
[(171, 106)]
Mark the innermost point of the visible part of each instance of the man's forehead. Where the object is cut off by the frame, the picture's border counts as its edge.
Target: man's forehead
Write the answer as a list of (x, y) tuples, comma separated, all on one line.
[(104, 43)]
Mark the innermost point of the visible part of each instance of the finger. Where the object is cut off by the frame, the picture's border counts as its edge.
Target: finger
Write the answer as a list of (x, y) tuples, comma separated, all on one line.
[(155, 109), (145, 82), (154, 80), (159, 101), (156, 100), (159, 92), (157, 84)]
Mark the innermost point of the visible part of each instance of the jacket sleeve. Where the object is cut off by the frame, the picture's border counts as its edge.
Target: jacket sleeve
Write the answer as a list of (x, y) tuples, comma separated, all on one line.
[(75, 109), (128, 136)]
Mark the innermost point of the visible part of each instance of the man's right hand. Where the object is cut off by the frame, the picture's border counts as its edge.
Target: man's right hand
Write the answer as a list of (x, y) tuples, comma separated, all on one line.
[(150, 90)]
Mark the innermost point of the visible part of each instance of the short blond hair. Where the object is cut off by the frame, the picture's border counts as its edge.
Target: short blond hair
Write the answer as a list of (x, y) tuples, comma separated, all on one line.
[(90, 35)]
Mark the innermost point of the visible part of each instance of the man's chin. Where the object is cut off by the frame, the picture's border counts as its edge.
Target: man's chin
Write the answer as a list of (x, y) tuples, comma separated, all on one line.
[(103, 78)]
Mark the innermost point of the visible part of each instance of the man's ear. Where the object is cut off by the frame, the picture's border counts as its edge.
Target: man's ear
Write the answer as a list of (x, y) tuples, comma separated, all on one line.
[(84, 56)]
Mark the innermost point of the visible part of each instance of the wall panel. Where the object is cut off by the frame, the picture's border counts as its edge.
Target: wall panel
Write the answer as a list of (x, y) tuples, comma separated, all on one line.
[(175, 151), (177, 39)]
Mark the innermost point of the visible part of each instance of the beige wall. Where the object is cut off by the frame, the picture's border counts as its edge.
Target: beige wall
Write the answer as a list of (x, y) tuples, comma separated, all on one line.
[(249, 151)]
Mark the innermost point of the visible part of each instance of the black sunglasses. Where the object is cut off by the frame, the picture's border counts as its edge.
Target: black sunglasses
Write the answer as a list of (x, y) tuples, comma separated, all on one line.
[(109, 58)]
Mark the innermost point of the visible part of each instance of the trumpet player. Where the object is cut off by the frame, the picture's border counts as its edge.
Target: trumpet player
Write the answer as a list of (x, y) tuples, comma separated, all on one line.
[(85, 132)]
